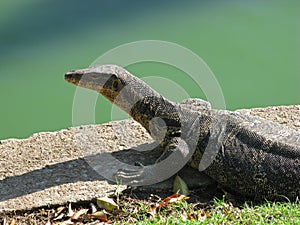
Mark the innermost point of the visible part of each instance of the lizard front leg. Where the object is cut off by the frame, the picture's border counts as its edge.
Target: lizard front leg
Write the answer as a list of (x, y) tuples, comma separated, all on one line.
[(146, 175)]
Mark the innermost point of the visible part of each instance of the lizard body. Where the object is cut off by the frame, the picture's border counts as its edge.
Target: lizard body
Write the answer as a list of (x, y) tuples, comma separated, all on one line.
[(245, 154)]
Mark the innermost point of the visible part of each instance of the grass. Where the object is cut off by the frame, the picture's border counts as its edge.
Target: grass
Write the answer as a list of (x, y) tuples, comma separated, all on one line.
[(222, 212), (269, 212), (146, 212)]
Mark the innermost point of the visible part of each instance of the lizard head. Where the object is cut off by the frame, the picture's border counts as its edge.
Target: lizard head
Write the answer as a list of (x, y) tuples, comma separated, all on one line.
[(113, 82), (105, 79)]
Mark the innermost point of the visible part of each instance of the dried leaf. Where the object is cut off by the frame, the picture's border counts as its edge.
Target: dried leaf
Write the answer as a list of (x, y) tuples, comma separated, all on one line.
[(175, 198), (59, 217), (100, 215), (59, 210), (207, 215), (106, 203), (79, 213), (93, 207), (169, 200), (70, 211), (179, 186)]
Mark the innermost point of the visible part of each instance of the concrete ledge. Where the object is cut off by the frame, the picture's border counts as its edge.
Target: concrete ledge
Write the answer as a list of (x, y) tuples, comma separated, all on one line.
[(51, 168)]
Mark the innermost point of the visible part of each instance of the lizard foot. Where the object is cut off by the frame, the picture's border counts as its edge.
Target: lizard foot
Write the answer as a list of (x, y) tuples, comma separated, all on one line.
[(132, 175)]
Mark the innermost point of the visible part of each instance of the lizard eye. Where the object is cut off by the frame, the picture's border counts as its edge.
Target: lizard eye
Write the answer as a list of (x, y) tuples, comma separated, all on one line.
[(116, 85)]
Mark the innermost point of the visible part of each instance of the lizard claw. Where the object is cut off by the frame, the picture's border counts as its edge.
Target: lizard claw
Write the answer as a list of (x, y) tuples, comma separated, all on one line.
[(167, 165), (131, 176)]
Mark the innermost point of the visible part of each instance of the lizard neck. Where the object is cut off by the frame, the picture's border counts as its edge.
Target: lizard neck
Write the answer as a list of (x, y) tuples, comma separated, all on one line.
[(143, 103), (151, 107), (155, 113)]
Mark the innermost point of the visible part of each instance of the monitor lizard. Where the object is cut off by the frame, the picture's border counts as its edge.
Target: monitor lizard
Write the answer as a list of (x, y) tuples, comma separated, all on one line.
[(245, 154)]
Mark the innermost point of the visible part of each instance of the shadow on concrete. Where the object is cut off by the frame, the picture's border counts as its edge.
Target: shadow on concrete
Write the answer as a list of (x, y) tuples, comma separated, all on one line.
[(71, 171)]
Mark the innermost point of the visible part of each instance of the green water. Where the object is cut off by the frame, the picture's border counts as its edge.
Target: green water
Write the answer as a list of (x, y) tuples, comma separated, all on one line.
[(253, 48)]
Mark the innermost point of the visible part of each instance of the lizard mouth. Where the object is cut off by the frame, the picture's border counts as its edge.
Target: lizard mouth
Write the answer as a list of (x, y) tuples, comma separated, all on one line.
[(88, 78), (73, 77)]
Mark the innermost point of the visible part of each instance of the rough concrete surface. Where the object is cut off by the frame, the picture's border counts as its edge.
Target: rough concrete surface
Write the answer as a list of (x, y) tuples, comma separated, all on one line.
[(51, 168)]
